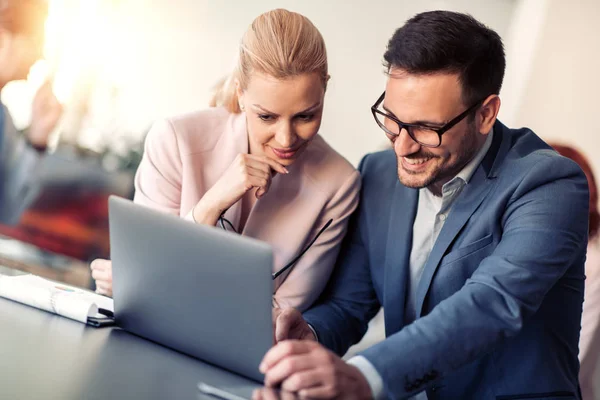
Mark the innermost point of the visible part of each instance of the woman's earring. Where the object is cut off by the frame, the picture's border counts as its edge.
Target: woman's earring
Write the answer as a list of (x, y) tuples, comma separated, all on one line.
[(241, 107)]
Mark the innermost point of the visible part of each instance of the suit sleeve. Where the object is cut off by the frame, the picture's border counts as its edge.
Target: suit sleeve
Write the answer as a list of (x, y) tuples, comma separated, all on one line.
[(544, 233), (158, 178), (18, 170), (309, 277), (349, 302)]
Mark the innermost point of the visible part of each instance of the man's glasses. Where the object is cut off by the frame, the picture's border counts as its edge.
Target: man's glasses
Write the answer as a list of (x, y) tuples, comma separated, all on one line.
[(224, 221), (426, 136)]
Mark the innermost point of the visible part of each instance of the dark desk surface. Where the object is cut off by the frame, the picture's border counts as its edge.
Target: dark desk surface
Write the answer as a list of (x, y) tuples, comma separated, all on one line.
[(43, 356)]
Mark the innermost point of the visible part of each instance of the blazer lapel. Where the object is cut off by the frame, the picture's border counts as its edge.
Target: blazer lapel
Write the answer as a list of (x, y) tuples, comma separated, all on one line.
[(468, 201), (399, 244)]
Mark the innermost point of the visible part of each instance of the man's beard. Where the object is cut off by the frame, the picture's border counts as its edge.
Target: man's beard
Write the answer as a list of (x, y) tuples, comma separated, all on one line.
[(442, 173)]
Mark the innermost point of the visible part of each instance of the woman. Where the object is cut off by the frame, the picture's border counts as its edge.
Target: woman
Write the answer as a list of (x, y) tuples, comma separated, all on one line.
[(21, 44), (589, 342), (256, 159)]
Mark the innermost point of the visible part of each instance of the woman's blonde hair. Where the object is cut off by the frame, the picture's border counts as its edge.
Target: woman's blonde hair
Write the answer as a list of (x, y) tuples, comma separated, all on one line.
[(279, 43)]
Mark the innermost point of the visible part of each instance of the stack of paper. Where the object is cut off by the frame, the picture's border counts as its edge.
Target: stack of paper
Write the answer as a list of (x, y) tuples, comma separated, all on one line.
[(57, 298)]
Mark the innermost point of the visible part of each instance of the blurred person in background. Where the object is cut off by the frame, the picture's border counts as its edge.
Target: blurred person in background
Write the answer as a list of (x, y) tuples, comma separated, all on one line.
[(254, 163), (589, 341), (21, 45)]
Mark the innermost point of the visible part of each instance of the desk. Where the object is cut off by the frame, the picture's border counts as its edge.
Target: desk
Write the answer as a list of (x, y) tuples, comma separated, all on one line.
[(44, 356)]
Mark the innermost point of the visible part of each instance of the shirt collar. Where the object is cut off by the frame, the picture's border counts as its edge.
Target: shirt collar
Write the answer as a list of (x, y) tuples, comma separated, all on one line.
[(452, 189), (468, 170)]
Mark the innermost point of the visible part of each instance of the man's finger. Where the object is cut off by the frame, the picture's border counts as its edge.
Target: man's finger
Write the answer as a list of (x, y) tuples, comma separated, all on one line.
[(285, 395), (286, 321), (282, 328), (289, 366), (303, 380), (318, 392), (273, 394), (285, 349), (276, 311), (265, 394)]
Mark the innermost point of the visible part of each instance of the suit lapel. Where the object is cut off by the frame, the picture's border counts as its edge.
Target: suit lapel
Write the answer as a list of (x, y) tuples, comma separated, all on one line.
[(466, 204), (399, 243)]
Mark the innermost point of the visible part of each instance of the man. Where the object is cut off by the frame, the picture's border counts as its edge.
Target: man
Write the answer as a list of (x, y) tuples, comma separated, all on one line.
[(472, 236), (21, 44)]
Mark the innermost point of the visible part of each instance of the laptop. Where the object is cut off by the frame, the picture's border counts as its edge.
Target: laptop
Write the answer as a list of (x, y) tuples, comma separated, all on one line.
[(197, 289)]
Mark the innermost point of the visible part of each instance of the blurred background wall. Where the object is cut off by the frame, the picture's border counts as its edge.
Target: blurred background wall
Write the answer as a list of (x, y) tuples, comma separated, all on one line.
[(160, 58), (146, 60), (560, 85)]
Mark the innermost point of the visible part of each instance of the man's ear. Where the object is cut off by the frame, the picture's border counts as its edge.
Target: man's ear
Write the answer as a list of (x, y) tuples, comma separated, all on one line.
[(488, 112)]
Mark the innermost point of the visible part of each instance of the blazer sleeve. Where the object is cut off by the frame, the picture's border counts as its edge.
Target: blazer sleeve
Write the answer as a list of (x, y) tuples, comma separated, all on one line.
[(341, 316), (18, 162), (310, 275), (544, 233), (158, 178)]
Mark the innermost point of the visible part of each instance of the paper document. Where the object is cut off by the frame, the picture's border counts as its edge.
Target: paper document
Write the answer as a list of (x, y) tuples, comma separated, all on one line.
[(57, 298)]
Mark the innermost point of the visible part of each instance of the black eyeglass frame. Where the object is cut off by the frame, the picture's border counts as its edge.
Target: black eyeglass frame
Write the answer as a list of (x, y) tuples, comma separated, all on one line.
[(223, 221), (402, 125)]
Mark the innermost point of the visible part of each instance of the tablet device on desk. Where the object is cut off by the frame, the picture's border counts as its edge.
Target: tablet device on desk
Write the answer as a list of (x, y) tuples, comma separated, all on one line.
[(194, 288)]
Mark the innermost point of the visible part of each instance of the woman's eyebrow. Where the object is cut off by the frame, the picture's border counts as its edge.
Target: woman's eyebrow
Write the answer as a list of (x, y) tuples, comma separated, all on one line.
[(311, 108)]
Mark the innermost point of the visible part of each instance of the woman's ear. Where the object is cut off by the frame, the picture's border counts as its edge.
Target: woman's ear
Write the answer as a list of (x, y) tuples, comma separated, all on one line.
[(239, 94)]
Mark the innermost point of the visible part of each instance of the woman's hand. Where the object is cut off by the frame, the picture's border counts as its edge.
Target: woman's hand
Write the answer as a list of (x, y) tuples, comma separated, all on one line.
[(102, 274), (245, 173)]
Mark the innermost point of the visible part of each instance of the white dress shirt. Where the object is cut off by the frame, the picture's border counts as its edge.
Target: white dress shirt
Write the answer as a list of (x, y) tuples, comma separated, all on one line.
[(432, 212)]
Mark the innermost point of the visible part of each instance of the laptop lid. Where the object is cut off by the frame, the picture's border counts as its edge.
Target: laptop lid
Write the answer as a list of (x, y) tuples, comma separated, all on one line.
[(194, 288)]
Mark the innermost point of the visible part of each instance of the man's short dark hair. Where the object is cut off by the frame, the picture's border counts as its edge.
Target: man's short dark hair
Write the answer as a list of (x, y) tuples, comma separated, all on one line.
[(445, 41)]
